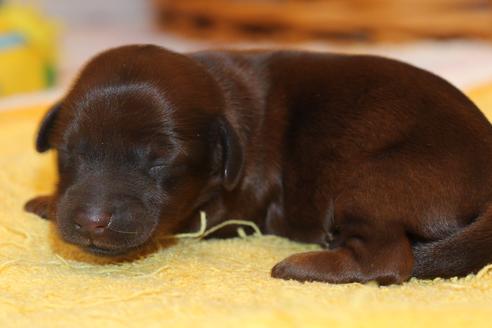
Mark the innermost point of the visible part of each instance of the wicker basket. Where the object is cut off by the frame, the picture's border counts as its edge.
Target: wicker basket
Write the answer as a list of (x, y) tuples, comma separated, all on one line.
[(368, 20)]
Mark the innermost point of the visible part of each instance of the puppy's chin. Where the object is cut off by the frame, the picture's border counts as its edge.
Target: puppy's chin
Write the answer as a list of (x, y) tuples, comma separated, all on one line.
[(106, 251)]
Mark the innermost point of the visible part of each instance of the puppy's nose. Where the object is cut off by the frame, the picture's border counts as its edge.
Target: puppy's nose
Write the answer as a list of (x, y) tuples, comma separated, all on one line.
[(93, 223)]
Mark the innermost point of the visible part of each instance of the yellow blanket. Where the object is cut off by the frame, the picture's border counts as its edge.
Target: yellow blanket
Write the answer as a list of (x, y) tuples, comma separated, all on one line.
[(45, 283)]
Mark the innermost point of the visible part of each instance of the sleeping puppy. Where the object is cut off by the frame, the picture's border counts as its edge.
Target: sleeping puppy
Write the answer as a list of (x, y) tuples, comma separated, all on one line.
[(386, 166)]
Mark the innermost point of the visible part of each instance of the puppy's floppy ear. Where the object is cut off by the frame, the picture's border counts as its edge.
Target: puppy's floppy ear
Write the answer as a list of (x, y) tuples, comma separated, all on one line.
[(232, 155), (42, 140)]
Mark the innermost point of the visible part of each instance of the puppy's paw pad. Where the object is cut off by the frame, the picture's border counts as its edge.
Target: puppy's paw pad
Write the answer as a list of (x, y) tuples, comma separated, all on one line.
[(39, 206)]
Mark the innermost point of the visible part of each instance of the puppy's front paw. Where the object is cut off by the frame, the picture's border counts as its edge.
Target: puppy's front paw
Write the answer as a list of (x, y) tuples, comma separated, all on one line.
[(40, 206)]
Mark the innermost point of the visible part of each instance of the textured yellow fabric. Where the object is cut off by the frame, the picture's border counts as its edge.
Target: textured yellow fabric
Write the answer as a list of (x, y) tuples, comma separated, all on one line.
[(216, 283)]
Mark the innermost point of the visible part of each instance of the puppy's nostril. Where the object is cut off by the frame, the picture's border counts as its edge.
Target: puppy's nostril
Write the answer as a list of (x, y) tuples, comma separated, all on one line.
[(99, 229)]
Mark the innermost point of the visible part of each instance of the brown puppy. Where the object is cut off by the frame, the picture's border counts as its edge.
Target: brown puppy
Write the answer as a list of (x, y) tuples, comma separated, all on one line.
[(384, 164)]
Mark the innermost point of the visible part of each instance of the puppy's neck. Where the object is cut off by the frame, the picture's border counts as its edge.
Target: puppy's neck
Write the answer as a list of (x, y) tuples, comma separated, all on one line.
[(240, 77)]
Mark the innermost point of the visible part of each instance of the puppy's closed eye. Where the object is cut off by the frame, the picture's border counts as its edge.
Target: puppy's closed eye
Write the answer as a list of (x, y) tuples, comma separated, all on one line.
[(157, 170)]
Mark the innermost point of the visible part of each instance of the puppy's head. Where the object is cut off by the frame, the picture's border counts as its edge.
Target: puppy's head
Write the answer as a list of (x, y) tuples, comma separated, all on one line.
[(142, 142)]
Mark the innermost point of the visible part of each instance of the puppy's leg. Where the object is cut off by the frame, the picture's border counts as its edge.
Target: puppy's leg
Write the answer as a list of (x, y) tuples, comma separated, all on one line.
[(359, 259), (367, 245), (41, 206)]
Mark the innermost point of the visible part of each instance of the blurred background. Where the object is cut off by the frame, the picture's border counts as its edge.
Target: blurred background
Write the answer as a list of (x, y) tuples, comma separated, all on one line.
[(43, 43)]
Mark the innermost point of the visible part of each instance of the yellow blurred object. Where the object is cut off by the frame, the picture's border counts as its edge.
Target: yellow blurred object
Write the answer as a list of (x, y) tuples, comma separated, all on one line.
[(209, 283), (27, 50)]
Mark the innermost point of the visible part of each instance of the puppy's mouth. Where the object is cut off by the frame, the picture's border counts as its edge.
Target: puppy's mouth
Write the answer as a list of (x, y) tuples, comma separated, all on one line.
[(105, 251)]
